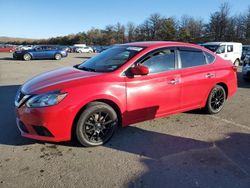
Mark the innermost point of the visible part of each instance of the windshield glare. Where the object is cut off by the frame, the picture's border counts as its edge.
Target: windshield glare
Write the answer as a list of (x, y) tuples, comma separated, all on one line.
[(110, 59)]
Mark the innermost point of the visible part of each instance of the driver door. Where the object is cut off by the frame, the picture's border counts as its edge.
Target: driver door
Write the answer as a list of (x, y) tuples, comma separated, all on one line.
[(156, 94)]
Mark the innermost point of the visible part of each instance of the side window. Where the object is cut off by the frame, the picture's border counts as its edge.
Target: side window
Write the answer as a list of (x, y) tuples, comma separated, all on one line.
[(192, 58), (230, 48), (160, 61), (210, 57)]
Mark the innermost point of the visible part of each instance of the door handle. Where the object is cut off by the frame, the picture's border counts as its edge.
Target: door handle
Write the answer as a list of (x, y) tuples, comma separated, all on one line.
[(210, 75), (173, 81)]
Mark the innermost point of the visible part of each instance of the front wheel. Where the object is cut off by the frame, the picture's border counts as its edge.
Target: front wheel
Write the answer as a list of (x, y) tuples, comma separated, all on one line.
[(216, 100), (96, 124)]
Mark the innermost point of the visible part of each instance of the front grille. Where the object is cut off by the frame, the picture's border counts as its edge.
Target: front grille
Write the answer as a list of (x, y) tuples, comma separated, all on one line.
[(42, 131)]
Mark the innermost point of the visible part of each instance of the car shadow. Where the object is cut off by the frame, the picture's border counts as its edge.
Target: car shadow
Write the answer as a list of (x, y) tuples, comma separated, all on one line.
[(9, 134), (82, 57), (174, 161), (7, 58)]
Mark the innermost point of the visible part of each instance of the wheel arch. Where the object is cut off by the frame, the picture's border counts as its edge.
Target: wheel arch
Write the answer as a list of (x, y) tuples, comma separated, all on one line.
[(224, 86), (30, 53), (106, 101)]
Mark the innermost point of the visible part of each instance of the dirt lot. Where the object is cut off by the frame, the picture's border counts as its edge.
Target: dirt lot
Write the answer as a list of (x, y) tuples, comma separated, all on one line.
[(185, 150)]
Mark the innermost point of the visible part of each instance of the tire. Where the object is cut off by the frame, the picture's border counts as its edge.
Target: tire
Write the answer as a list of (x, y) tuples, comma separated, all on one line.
[(26, 57), (58, 56), (90, 51), (237, 62), (216, 100), (96, 124)]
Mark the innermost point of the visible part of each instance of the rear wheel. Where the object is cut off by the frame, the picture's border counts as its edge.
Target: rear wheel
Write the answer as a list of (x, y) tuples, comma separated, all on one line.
[(58, 56), (27, 57), (216, 100), (96, 124)]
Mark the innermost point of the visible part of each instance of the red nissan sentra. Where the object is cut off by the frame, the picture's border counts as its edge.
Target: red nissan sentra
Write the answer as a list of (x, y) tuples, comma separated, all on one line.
[(123, 85)]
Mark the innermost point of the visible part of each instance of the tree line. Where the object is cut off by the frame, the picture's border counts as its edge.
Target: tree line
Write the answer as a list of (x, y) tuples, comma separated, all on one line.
[(222, 26)]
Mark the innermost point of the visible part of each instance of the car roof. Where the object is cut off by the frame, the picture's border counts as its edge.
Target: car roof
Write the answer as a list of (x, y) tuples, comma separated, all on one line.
[(160, 43), (218, 43)]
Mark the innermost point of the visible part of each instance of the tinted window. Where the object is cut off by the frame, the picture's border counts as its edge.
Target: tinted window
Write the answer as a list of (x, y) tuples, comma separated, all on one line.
[(230, 48), (160, 61), (191, 58), (210, 57)]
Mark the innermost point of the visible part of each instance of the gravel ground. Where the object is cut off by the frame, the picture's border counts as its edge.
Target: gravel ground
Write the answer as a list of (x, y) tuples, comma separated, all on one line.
[(184, 150)]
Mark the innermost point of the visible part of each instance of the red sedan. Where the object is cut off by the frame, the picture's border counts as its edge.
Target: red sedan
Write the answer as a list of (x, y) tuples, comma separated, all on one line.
[(123, 85), (7, 48)]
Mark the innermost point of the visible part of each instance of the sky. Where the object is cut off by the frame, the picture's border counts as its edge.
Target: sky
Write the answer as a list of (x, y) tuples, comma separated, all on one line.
[(51, 18)]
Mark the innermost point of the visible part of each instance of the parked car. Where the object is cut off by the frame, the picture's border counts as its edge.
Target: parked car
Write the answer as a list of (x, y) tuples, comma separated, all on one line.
[(40, 52), (7, 48), (227, 50), (85, 49), (123, 85), (25, 47), (245, 50), (246, 67)]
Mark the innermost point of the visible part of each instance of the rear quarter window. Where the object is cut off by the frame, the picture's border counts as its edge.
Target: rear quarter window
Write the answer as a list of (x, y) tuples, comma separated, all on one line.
[(210, 58)]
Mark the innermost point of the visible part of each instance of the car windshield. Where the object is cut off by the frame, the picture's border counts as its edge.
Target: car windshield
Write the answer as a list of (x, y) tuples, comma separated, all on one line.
[(110, 59)]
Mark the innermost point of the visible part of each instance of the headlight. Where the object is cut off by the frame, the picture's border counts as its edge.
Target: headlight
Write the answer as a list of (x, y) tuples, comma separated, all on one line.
[(47, 99)]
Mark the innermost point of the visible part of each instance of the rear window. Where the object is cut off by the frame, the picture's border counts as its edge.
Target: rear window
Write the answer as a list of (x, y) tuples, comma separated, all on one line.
[(192, 58)]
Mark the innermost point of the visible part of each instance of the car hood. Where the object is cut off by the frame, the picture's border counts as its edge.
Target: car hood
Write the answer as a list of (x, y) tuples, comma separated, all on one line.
[(52, 80)]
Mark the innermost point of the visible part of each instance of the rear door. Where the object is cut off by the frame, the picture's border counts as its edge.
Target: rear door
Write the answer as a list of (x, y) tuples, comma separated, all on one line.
[(197, 76), (50, 52)]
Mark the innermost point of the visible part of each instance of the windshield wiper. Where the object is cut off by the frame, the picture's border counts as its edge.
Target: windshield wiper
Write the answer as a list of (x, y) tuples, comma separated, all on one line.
[(86, 69)]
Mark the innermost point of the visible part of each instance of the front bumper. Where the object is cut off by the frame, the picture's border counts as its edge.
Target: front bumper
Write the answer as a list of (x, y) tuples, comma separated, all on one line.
[(17, 55), (47, 124)]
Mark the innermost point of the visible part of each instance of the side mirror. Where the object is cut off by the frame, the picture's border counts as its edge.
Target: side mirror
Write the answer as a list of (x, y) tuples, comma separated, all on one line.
[(140, 70)]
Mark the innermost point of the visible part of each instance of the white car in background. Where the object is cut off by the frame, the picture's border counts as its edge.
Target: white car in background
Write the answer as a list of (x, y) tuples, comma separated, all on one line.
[(85, 49), (226, 50), (26, 47)]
